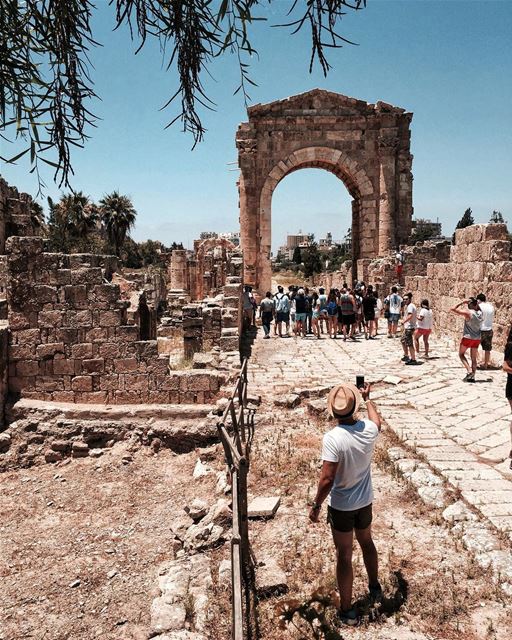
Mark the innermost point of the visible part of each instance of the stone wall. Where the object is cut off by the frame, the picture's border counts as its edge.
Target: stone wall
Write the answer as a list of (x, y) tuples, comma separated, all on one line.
[(479, 262), (70, 341), (15, 214), (381, 272)]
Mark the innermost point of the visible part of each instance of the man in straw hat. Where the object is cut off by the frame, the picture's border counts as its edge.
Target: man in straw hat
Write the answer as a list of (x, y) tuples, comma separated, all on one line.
[(346, 478)]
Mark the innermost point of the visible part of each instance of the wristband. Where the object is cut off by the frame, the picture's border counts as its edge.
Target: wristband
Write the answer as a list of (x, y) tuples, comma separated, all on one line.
[(316, 507)]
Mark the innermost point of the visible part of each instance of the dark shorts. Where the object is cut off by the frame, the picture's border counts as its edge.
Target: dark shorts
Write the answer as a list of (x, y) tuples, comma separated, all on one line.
[(486, 340), (348, 320), (345, 521), (407, 337), (282, 316), (369, 315)]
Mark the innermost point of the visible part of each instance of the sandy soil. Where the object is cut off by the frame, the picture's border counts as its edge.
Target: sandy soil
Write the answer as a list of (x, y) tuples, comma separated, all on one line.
[(81, 543), (433, 588)]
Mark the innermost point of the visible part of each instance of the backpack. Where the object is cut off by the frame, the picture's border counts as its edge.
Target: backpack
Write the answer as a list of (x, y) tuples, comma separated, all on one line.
[(332, 308), (283, 304)]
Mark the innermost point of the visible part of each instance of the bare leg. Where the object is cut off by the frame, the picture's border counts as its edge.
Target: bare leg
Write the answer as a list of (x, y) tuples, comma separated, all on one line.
[(487, 357), (370, 558), (417, 341), (474, 359), (463, 359), (427, 345), (344, 572)]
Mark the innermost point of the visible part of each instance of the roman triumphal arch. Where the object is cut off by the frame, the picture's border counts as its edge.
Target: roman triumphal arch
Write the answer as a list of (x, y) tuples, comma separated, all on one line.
[(366, 145)]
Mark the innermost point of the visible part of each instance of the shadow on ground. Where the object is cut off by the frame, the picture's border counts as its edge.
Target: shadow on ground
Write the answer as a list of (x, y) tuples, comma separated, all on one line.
[(317, 616)]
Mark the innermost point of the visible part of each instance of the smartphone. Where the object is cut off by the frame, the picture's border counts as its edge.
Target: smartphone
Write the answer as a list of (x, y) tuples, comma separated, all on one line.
[(360, 382)]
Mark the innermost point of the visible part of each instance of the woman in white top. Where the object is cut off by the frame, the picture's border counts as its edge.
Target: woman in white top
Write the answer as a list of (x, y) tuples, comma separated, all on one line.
[(424, 326)]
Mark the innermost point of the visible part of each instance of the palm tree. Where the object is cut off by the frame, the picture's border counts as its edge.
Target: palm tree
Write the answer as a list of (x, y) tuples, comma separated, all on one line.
[(70, 222), (118, 215)]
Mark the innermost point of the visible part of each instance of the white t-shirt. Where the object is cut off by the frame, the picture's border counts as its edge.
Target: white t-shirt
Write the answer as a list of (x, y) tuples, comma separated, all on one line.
[(395, 303), (411, 309), (352, 447), (487, 310), (425, 319)]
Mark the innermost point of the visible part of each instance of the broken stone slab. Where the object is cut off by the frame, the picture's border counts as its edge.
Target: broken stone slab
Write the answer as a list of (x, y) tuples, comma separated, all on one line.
[(183, 586), (317, 407), (5, 442), (270, 578), (263, 507), (197, 509), (392, 380), (313, 392), (203, 361), (290, 401), (224, 578), (79, 449), (200, 537), (458, 512), (201, 470), (434, 496)]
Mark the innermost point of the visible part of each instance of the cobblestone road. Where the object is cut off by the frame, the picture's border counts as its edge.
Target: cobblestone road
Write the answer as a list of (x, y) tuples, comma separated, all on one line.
[(461, 429)]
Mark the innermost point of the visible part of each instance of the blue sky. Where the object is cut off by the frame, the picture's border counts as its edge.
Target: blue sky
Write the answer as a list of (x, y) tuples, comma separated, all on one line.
[(449, 62)]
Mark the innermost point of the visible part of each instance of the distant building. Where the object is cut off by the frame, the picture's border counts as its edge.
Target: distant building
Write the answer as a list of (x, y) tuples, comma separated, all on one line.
[(299, 239), (325, 242), (424, 229)]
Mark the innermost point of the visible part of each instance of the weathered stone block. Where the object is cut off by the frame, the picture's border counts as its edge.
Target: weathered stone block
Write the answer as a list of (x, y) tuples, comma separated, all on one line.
[(126, 365), (81, 383), (45, 351), (82, 351), (50, 318), (95, 365), (27, 368), (21, 352)]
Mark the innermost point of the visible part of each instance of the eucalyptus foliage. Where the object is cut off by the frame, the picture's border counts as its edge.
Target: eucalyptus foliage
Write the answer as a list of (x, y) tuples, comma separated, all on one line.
[(46, 81)]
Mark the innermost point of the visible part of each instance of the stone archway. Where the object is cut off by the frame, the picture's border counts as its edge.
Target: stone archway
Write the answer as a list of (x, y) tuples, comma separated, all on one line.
[(367, 146)]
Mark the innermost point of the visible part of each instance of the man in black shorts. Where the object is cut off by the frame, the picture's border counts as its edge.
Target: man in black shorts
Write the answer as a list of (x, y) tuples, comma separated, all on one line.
[(346, 479)]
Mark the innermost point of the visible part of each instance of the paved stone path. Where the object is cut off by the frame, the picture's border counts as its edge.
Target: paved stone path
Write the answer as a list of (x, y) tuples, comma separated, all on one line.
[(460, 429)]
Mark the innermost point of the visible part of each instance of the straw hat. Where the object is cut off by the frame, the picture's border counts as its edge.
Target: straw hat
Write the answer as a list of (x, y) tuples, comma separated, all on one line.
[(343, 400)]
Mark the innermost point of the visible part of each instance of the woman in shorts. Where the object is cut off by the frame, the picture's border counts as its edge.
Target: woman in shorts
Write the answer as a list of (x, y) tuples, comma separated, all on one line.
[(332, 314), (507, 368), (424, 324), (315, 318)]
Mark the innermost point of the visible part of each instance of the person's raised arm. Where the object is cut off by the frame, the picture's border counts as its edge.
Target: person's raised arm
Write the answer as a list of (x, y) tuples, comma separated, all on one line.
[(373, 414), (465, 313)]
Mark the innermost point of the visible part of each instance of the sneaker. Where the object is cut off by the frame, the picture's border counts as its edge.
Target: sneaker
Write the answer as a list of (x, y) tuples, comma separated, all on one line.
[(375, 592), (469, 377), (349, 617), (405, 359), (411, 361)]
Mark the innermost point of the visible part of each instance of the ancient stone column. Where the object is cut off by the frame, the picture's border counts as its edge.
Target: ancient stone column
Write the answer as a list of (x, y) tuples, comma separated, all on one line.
[(387, 203), (178, 270)]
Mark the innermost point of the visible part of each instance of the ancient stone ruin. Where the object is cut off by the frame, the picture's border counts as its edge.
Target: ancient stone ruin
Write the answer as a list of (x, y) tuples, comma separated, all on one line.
[(78, 330), (366, 145)]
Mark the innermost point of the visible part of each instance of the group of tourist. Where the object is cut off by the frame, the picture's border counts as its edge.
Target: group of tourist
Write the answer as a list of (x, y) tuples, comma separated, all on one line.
[(345, 477)]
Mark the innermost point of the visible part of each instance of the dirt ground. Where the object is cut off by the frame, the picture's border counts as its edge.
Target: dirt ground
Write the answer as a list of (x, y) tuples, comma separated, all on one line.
[(433, 587), (81, 543)]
